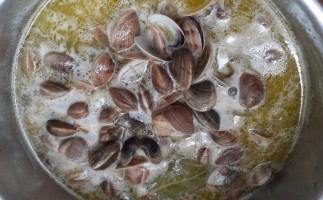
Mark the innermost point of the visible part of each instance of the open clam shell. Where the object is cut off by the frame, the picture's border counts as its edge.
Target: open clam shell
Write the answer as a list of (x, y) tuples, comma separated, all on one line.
[(221, 177), (132, 71), (260, 174), (194, 35), (75, 149), (225, 138), (201, 96), (230, 156), (251, 90), (145, 99), (209, 119)]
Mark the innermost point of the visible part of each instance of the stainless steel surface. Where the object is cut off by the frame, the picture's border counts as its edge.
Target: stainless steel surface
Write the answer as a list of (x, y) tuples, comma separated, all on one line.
[(21, 177)]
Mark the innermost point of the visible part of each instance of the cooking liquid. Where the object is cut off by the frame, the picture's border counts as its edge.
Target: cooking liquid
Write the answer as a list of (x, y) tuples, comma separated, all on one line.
[(240, 42)]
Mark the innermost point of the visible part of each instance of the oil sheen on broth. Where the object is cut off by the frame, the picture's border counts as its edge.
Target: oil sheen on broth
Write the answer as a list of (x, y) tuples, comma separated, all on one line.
[(252, 40)]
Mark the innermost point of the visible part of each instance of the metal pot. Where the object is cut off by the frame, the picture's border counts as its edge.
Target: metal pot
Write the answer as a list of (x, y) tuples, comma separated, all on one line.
[(23, 177)]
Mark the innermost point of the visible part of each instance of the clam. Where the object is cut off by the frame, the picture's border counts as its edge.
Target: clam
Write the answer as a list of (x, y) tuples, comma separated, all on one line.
[(264, 21), (75, 178), (201, 96), (230, 156), (221, 178), (136, 56), (196, 9), (53, 90), (82, 84), (159, 43), (272, 55), (162, 82), (104, 156), (75, 149), (110, 133), (222, 11), (255, 136), (180, 117), (209, 119), (60, 62), (136, 125), (251, 90), (195, 39), (161, 126), (102, 70), (169, 99), (260, 174), (225, 138), (124, 99), (182, 67), (108, 115), (100, 36), (145, 99), (135, 161), (132, 71), (108, 189), (78, 110), (148, 145), (60, 128), (203, 155), (168, 24), (28, 66), (125, 30), (203, 62), (136, 175)]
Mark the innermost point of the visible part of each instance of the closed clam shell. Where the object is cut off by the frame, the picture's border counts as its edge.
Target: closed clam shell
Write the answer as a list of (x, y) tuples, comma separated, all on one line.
[(104, 156), (230, 156), (75, 149), (108, 115), (201, 96), (132, 71), (136, 174), (60, 128), (260, 174), (159, 43), (195, 39), (53, 90), (136, 56), (78, 110), (124, 99), (110, 133), (225, 138), (209, 119), (251, 90), (169, 99), (145, 99), (124, 31), (100, 36), (102, 69), (162, 82), (203, 155), (221, 177), (82, 84), (60, 62), (182, 67), (180, 117), (204, 61), (161, 126), (27, 66)]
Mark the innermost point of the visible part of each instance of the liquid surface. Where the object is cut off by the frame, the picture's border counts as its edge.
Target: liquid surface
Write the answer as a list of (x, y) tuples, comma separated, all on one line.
[(239, 42)]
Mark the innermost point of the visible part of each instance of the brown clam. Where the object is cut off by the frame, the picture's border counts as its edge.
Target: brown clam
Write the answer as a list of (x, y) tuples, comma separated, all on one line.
[(169, 99), (230, 156), (203, 155), (100, 36), (124, 99), (82, 84), (162, 82), (104, 156), (108, 115), (102, 70), (161, 126), (209, 119), (135, 161), (136, 125), (251, 90), (74, 178), (110, 133), (28, 66), (272, 55), (136, 175), (255, 136), (60, 128), (78, 110), (136, 56), (201, 96), (75, 149), (159, 42), (148, 145), (132, 71), (124, 31), (145, 99), (182, 67), (222, 11), (108, 189), (53, 90), (221, 178), (180, 117), (60, 62), (195, 39), (225, 138), (204, 61), (260, 174)]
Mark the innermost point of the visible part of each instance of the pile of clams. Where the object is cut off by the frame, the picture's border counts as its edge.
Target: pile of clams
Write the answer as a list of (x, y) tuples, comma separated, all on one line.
[(176, 63)]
